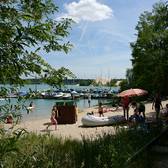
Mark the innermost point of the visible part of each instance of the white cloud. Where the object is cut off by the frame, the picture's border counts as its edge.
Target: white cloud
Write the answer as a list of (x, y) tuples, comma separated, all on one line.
[(87, 10)]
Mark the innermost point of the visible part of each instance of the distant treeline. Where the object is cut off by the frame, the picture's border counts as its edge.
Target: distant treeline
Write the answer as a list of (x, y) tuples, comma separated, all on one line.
[(80, 82)]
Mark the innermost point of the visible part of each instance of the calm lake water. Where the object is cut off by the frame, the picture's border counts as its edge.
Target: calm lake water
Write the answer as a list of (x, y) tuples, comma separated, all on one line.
[(43, 106)]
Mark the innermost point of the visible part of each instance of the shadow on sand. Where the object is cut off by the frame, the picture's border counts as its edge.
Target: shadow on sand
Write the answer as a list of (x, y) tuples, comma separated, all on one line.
[(46, 130), (48, 124)]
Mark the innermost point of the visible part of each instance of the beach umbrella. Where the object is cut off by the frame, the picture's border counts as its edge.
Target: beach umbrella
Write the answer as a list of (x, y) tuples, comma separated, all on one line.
[(132, 92)]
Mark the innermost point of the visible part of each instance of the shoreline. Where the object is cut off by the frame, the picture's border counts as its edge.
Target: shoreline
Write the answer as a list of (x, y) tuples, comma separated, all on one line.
[(76, 131)]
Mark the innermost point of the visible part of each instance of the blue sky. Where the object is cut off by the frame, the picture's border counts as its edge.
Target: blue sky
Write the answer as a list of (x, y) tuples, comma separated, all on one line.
[(101, 36)]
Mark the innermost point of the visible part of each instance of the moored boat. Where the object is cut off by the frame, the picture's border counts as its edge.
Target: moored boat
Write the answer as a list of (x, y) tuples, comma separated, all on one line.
[(58, 95), (75, 94), (91, 120), (67, 96)]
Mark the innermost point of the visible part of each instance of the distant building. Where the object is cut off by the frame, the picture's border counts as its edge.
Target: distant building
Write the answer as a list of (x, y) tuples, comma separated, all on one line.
[(118, 83), (103, 81)]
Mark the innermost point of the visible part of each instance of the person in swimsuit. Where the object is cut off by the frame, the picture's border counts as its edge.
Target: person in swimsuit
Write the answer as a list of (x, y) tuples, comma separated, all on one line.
[(53, 118), (100, 110)]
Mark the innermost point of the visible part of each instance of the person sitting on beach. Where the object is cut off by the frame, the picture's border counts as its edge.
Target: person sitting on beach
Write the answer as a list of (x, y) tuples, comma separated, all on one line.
[(137, 117), (139, 107), (164, 112), (100, 110), (108, 109)]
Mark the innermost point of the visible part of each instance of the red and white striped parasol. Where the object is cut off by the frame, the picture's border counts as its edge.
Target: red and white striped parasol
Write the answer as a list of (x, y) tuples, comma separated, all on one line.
[(132, 92)]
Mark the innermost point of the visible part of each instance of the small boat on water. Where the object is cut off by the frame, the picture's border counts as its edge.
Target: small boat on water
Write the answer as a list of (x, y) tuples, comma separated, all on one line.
[(75, 94), (91, 120), (67, 96), (58, 95)]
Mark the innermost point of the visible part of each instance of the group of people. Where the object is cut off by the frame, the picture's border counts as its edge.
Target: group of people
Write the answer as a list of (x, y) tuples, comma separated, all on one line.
[(139, 108), (139, 112)]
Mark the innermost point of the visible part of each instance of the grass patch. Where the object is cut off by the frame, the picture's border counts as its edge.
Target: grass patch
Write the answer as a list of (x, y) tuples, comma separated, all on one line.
[(105, 151)]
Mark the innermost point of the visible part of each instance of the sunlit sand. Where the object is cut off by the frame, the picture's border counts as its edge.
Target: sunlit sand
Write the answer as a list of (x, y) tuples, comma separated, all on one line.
[(76, 131)]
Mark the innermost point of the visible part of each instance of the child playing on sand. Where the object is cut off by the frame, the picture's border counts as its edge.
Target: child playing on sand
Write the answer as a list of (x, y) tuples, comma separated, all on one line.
[(53, 119)]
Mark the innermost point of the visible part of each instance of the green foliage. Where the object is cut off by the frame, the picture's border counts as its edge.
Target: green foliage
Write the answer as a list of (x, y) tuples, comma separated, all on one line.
[(94, 83), (13, 108), (107, 150), (150, 50), (9, 144), (7, 108), (55, 78), (112, 82), (85, 82), (124, 85), (28, 27)]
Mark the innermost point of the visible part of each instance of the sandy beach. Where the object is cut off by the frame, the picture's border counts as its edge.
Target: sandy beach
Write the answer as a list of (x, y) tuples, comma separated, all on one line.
[(76, 131)]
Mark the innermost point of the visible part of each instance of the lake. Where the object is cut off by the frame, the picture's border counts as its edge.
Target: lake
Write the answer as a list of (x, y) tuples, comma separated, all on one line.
[(43, 107)]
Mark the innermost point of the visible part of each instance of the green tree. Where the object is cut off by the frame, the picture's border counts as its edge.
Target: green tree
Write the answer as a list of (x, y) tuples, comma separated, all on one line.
[(26, 28), (129, 76), (150, 50), (55, 78)]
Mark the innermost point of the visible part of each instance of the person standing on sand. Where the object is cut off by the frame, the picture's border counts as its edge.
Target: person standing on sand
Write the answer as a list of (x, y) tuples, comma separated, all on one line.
[(89, 100), (141, 109), (125, 104), (157, 103), (100, 110)]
